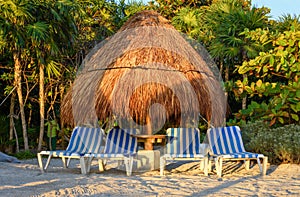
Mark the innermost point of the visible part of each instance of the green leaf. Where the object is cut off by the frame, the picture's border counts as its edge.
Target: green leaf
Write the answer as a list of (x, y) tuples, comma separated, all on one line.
[(278, 107), (298, 93), (259, 83), (282, 42), (248, 89), (282, 60), (291, 42), (295, 117), (298, 107), (272, 60), (278, 66), (281, 120), (265, 69)]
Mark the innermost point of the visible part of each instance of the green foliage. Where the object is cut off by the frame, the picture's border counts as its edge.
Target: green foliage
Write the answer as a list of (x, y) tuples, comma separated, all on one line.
[(281, 144), (273, 81), (288, 22), (187, 21), (25, 155), (170, 8), (4, 134)]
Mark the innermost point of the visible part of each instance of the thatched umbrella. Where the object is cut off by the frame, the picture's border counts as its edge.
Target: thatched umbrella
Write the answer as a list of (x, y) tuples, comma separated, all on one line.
[(147, 75)]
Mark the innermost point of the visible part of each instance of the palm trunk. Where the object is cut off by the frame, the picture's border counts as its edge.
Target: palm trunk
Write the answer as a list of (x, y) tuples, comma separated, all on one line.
[(42, 107), (11, 121), (20, 97)]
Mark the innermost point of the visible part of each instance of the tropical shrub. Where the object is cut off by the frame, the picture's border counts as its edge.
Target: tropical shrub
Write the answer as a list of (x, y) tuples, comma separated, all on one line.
[(273, 80), (281, 144), (22, 155)]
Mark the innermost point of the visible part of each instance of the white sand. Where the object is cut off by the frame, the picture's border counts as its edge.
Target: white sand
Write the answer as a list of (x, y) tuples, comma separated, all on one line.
[(182, 179)]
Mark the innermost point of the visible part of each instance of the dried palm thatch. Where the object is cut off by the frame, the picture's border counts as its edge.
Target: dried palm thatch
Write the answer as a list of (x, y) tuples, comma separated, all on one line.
[(146, 75)]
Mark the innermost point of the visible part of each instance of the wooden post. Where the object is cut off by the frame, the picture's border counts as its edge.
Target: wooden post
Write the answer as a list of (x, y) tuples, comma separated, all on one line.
[(149, 126)]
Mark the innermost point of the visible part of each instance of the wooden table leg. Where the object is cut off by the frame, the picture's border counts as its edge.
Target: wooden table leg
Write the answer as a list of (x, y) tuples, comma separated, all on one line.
[(148, 144)]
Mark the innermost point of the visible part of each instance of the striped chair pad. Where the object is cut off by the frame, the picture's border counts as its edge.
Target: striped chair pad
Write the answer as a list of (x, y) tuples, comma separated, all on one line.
[(185, 155), (226, 140), (84, 140), (244, 155), (111, 155), (120, 141), (183, 142)]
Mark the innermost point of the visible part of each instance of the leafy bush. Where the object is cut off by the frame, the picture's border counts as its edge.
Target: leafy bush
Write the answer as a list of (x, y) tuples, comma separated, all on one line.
[(272, 81), (4, 135), (25, 155), (281, 145)]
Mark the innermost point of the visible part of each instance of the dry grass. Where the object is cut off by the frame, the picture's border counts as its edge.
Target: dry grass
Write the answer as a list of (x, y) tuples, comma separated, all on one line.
[(147, 62)]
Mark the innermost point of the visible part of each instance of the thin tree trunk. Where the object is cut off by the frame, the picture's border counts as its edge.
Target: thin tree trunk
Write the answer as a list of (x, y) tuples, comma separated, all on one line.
[(244, 101), (226, 78), (11, 121), (17, 140), (42, 107), (20, 97)]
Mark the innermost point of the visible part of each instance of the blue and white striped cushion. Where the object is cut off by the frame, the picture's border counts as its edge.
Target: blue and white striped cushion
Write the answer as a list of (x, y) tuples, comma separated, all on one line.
[(244, 155), (183, 142), (84, 140), (227, 141), (120, 143)]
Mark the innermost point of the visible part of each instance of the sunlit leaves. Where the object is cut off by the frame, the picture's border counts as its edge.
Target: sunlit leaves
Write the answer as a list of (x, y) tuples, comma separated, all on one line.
[(277, 74)]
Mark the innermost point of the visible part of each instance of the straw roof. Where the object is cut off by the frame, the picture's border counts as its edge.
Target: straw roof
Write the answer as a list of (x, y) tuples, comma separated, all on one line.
[(146, 74)]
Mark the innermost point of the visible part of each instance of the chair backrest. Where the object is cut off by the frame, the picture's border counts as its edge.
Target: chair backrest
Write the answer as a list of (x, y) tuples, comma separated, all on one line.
[(184, 141), (121, 141), (85, 140), (225, 140)]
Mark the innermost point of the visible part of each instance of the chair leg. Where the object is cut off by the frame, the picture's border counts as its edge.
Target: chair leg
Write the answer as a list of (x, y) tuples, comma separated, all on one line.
[(209, 165), (83, 165), (264, 169), (68, 162), (128, 164), (247, 164), (219, 165), (202, 164), (48, 162), (40, 161), (216, 164), (89, 163), (259, 165), (101, 165), (162, 165), (205, 167), (64, 162)]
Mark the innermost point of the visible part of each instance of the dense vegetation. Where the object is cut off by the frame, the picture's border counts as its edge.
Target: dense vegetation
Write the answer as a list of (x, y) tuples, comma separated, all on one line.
[(43, 42)]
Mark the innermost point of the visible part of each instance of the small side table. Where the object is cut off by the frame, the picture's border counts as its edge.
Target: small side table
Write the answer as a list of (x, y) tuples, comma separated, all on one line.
[(149, 140)]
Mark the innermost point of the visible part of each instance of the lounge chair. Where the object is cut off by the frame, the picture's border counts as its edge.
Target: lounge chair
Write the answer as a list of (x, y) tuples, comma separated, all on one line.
[(120, 145), (184, 144), (226, 144), (83, 140)]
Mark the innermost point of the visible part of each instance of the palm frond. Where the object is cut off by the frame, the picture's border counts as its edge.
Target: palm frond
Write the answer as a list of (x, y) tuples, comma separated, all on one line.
[(38, 31)]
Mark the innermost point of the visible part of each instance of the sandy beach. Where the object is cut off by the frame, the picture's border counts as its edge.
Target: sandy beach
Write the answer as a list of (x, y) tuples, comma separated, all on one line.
[(182, 179)]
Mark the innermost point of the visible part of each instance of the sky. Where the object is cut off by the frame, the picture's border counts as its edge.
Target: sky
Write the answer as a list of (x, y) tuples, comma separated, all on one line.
[(279, 7)]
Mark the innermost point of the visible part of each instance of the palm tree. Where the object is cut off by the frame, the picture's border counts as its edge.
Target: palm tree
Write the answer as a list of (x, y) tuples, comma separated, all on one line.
[(51, 33), (288, 22), (41, 30), (227, 20), (13, 21)]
